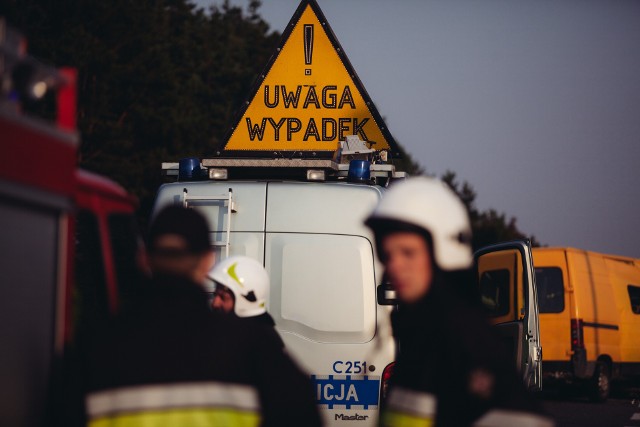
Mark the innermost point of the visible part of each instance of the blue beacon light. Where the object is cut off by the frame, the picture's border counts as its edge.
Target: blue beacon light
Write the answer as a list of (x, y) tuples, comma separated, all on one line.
[(189, 169), (359, 171)]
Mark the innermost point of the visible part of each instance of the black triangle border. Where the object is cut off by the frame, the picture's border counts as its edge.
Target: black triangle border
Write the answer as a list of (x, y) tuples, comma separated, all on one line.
[(394, 150)]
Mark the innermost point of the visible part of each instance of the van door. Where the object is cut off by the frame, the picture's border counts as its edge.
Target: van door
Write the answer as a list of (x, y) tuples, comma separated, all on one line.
[(234, 210), (320, 258), (506, 280)]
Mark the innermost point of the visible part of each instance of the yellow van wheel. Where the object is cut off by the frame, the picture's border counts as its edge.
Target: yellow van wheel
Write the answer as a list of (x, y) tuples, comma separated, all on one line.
[(599, 387)]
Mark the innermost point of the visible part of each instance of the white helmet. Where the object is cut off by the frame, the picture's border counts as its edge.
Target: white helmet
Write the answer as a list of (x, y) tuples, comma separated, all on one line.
[(431, 205), (248, 281)]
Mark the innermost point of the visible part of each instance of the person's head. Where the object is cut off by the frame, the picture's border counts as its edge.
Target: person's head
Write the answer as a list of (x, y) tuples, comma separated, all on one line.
[(178, 244), (246, 280), (420, 226), (223, 299)]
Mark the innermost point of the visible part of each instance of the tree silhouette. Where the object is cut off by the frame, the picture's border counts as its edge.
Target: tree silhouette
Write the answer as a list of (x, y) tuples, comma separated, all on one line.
[(158, 80), (161, 80), (488, 226)]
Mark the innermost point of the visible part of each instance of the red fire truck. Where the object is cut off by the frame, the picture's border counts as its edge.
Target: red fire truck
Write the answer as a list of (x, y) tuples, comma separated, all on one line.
[(68, 241)]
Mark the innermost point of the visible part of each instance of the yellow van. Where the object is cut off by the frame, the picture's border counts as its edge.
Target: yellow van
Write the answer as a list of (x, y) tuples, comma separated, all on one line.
[(589, 306)]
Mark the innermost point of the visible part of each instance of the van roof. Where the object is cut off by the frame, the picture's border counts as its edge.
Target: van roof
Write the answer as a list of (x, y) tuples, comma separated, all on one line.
[(621, 258)]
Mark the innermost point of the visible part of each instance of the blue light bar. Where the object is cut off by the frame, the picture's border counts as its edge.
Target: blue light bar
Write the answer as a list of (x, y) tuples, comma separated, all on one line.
[(189, 169), (359, 171)]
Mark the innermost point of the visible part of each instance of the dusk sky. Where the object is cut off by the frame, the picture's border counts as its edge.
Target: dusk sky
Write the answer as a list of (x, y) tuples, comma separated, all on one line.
[(535, 103)]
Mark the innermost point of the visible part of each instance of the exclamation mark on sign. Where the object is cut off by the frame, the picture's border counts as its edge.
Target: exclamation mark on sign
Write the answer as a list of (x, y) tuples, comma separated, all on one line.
[(308, 47)]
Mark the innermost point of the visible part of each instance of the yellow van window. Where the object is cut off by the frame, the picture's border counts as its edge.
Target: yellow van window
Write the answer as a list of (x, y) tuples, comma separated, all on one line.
[(501, 285), (494, 292), (550, 290), (634, 296)]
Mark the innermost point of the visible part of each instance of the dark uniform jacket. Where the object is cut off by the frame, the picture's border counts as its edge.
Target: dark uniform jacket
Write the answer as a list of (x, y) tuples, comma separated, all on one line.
[(452, 369), (266, 322), (170, 361)]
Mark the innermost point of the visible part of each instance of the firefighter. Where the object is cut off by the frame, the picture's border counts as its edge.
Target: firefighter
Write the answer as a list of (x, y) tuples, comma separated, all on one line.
[(451, 369), (241, 289), (172, 361)]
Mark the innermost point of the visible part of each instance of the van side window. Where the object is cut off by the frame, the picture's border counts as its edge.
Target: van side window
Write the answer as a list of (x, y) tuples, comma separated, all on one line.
[(123, 233), (634, 297), (550, 289), (494, 292), (90, 294)]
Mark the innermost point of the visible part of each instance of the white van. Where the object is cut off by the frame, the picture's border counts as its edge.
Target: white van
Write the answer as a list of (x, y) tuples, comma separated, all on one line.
[(305, 221)]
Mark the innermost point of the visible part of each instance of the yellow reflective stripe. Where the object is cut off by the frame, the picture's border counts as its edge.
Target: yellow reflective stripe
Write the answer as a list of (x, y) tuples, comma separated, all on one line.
[(505, 418), (181, 417), (397, 419), (172, 396), (418, 403)]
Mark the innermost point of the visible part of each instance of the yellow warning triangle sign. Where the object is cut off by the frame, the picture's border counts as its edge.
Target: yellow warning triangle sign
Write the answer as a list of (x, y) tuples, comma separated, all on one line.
[(309, 98)]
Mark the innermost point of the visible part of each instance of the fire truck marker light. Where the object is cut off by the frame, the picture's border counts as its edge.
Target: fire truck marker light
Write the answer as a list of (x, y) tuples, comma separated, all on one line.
[(39, 89)]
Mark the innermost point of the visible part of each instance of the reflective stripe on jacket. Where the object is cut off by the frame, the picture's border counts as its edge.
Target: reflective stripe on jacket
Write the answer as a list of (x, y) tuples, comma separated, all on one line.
[(170, 360), (504, 418), (193, 404), (409, 408)]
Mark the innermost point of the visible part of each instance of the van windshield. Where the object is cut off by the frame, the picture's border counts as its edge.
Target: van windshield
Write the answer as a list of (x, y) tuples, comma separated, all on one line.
[(550, 289)]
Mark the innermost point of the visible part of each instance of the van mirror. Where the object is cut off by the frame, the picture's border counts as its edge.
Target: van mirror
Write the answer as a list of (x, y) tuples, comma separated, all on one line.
[(386, 294)]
